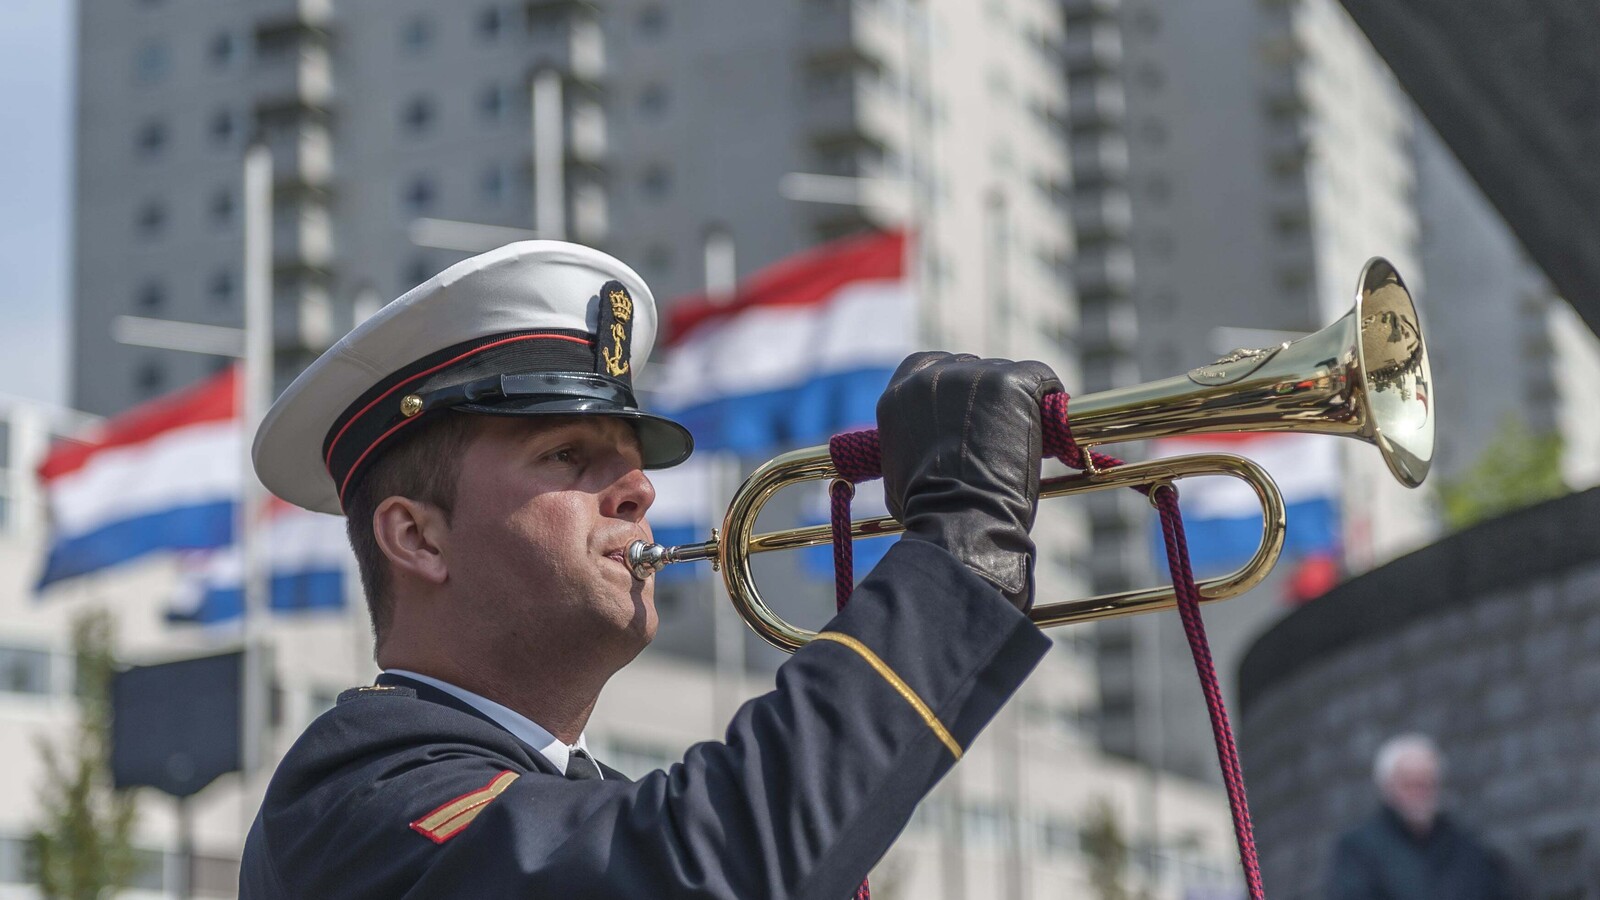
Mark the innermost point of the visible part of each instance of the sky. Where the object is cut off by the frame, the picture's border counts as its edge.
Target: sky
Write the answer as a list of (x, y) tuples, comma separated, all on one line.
[(36, 157)]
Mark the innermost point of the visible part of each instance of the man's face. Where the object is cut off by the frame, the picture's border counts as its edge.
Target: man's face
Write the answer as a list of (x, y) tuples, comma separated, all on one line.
[(1413, 790), (544, 512)]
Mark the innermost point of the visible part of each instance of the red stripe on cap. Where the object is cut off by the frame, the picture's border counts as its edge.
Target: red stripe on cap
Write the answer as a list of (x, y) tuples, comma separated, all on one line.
[(327, 460), (365, 453), (803, 279), (212, 400)]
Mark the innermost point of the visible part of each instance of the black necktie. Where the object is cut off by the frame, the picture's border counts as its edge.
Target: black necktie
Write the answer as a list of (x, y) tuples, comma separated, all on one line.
[(581, 768)]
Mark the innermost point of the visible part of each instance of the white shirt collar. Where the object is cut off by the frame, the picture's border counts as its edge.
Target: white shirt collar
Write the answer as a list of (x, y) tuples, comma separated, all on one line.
[(520, 726)]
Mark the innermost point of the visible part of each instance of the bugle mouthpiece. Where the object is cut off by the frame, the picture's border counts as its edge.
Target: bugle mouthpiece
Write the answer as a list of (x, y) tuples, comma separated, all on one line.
[(646, 559)]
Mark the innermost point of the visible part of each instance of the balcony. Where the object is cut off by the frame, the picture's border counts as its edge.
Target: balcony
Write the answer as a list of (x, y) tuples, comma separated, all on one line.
[(1095, 106), (302, 237), (1083, 11), (1283, 98), (541, 12), (1102, 215), (1093, 48), (302, 313), (827, 28), (573, 46), (1103, 273), (586, 134), (1109, 328)]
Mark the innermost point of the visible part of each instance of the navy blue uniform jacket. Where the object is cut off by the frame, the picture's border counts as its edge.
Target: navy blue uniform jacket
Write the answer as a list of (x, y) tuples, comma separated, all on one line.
[(401, 791)]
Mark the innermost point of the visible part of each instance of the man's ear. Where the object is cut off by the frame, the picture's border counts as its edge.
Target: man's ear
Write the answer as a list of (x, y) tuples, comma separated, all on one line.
[(412, 534)]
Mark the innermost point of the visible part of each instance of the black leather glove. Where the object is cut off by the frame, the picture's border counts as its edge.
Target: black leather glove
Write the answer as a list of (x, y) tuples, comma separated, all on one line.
[(961, 439)]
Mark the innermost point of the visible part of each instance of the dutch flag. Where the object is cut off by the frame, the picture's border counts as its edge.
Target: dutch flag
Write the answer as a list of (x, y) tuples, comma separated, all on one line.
[(165, 477), (162, 476), (800, 352)]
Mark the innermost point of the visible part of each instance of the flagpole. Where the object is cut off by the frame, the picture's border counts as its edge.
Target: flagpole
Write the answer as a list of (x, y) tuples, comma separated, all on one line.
[(728, 657), (255, 387), (549, 170)]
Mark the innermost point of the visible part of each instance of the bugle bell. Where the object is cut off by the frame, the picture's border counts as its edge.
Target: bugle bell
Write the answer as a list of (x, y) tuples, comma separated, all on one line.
[(1365, 377)]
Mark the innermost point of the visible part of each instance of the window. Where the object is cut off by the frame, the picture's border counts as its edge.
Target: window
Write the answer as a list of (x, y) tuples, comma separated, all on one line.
[(491, 21), (150, 297), (492, 185), (1154, 132), (151, 220), (658, 259), (414, 273), (657, 180), (150, 378), (653, 101), (221, 207), (151, 63), (419, 195), (221, 127), (222, 49), (220, 288), (417, 115), (24, 671), (831, 82), (151, 139), (416, 34), (653, 21), (492, 103)]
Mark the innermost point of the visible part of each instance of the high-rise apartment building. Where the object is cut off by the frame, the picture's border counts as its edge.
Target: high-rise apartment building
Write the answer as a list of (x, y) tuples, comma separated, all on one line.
[(1234, 165), (646, 128)]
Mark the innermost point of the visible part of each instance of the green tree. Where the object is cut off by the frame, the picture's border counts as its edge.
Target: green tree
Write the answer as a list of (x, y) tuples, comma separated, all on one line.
[(1107, 852), (84, 848), (1516, 468)]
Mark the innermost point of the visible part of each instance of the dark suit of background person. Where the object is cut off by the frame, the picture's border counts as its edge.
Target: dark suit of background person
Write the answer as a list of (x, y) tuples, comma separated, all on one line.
[(1408, 850), (462, 772)]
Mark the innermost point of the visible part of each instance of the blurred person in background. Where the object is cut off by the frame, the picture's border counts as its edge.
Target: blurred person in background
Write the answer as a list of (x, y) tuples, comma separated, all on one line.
[(482, 438), (1409, 849)]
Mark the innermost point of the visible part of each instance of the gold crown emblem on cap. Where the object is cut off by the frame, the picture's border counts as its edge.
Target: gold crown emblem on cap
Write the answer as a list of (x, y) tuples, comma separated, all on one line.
[(615, 356)]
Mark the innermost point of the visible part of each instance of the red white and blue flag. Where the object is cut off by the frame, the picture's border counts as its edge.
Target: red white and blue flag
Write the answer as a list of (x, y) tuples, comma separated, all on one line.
[(165, 477), (800, 352), (1222, 517), (306, 554)]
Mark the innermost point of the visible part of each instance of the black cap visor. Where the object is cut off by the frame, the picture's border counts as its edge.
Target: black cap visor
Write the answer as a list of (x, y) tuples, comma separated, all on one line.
[(663, 442)]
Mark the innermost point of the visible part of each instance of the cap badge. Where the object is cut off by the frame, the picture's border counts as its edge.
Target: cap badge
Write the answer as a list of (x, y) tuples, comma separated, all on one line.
[(615, 329), (410, 405)]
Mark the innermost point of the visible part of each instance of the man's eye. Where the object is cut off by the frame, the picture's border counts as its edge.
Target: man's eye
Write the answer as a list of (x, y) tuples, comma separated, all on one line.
[(565, 455)]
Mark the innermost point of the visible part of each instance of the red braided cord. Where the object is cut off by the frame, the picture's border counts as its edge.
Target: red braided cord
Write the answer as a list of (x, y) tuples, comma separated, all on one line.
[(858, 457), (1166, 500)]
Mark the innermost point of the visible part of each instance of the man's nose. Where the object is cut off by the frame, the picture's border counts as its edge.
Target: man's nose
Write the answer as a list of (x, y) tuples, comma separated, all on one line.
[(629, 497)]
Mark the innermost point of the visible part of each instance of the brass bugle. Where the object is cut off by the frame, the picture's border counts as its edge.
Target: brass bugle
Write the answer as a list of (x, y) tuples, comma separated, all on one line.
[(1365, 376)]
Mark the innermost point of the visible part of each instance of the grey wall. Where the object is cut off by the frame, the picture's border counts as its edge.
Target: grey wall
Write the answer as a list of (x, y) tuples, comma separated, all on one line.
[(1489, 642)]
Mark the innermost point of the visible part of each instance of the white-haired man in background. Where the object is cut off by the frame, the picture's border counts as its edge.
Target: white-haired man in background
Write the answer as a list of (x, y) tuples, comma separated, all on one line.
[(1409, 849)]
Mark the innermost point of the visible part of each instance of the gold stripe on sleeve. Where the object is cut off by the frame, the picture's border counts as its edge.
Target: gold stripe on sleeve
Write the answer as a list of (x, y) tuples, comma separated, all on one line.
[(896, 682)]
